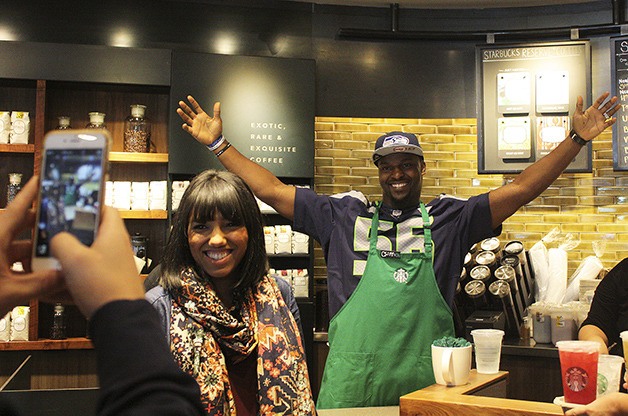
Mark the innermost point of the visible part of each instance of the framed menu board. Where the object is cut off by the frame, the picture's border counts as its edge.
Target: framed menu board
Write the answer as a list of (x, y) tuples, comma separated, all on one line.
[(526, 94), (619, 76)]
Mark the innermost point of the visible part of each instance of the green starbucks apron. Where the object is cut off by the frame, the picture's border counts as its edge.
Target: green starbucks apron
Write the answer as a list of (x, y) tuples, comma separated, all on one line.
[(380, 340)]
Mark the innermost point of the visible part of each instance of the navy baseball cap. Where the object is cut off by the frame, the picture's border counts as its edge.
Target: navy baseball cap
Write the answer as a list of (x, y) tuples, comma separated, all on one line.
[(396, 142)]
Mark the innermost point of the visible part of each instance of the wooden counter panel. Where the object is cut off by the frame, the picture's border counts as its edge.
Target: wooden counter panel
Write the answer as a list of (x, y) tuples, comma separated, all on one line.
[(467, 400)]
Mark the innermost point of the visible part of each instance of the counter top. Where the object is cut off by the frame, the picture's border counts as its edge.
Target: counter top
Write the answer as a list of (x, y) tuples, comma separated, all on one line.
[(360, 411), (519, 347), (471, 400), (482, 395)]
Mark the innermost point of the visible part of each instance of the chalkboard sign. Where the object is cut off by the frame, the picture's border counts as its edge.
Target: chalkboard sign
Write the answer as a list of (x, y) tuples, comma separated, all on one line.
[(619, 75), (267, 109)]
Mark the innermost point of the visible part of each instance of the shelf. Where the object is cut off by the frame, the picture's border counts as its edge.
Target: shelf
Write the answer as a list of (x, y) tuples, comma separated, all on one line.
[(156, 214), (48, 344), (17, 148), (124, 157), (289, 255)]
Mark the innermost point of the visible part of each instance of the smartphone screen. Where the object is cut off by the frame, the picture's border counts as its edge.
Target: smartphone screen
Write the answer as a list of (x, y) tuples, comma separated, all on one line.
[(72, 178)]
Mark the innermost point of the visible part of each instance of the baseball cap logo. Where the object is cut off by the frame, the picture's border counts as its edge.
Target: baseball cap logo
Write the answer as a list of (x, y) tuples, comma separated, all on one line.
[(395, 140)]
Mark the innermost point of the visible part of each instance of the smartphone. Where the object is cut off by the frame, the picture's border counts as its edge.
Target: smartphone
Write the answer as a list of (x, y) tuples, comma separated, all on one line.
[(72, 178)]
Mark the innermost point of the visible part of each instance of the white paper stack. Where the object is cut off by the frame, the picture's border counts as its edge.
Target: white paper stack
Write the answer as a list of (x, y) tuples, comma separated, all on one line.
[(158, 194), (19, 323), (139, 195), (587, 270), (283, 239), (300, 281), (557, 284), (20, 126), (5, 327), (300, 243), (109, 193), (5, 126), (285, 275), (269, 239), (122, 195), (540, 268), (178, 188)]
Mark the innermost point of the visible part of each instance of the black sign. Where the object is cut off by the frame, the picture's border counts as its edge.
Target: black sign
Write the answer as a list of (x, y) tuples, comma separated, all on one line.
[(267, 109), (619, 75)]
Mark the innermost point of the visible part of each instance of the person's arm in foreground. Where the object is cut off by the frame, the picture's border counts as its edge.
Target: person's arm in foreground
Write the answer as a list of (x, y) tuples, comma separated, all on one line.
[(136, 370), (614, 404), (265, 185), (588, 124), (593, 333)]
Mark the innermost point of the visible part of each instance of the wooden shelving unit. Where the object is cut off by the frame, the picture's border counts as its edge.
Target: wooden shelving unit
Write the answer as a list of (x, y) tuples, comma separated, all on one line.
[(48, 344), (46, 92)]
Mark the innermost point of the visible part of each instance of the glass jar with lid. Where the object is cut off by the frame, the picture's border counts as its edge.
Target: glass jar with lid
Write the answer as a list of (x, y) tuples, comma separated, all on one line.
[(137, 130), (64, 123), (96, 120), (14, 186)]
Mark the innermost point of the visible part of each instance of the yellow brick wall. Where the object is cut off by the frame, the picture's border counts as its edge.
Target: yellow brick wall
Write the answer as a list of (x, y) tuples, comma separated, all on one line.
[(590, 206)]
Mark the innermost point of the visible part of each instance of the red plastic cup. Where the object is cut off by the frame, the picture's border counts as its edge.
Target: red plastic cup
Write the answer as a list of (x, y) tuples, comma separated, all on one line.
[(578, 365)]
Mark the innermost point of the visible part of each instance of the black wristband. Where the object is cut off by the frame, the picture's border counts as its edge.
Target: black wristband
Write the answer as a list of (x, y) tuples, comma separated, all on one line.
[(576, 138), (223, 149)]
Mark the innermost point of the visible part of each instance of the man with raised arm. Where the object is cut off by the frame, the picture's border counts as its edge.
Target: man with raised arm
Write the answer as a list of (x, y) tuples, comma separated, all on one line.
[(391, 291)]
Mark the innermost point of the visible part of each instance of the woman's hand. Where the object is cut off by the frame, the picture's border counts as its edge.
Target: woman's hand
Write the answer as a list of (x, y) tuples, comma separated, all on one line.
[(18, 288), (102, 273), (198, 123)]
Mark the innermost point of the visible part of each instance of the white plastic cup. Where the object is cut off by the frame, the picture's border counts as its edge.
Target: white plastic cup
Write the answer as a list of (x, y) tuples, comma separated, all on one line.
[(488, 349), (608, 374), (624, 341)]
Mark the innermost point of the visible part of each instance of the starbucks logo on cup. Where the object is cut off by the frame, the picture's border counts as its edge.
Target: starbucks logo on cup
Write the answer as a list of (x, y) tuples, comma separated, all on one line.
[(576, 378), (602, 384)]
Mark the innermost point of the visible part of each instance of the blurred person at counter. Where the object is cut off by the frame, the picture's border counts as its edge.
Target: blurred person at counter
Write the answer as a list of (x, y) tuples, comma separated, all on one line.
[(391, 292), (608, 316), (136, 372)]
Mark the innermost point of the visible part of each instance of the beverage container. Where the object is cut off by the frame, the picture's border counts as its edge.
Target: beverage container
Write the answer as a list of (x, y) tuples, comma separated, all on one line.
[(608, 374), (96, 120), (58, 330), (578, 366), (541, 323), (451, 365), (14, 186), (64, 123), (564, 326), (624, 341), (137, 130), (488, 349)]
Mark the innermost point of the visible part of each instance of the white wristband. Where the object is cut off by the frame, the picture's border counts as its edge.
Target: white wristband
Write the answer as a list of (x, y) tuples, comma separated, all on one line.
[(216, 143)]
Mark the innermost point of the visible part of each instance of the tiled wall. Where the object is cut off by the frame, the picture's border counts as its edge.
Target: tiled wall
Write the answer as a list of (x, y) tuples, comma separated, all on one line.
[(590, 206)]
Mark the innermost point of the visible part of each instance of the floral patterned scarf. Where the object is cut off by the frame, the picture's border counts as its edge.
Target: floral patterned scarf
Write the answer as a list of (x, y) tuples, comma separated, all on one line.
[(202, 329)]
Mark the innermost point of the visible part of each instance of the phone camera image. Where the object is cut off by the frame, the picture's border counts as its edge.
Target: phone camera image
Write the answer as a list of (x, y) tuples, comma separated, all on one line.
[(70, 187)]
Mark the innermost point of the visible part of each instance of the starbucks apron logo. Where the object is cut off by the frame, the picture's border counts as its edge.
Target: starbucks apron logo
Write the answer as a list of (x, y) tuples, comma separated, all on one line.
[(400, 275)]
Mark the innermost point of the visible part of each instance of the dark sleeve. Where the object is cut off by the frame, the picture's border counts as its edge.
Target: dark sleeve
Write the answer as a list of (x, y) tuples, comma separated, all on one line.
[(137, 373), (291, 302), (152, 279), (607, 303)]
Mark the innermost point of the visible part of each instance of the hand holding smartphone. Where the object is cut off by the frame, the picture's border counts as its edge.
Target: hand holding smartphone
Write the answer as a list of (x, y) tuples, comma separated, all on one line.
[(73, 173)]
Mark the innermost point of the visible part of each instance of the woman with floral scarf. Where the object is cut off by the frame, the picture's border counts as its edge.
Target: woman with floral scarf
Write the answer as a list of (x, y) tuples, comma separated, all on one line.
[(229, 323)]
